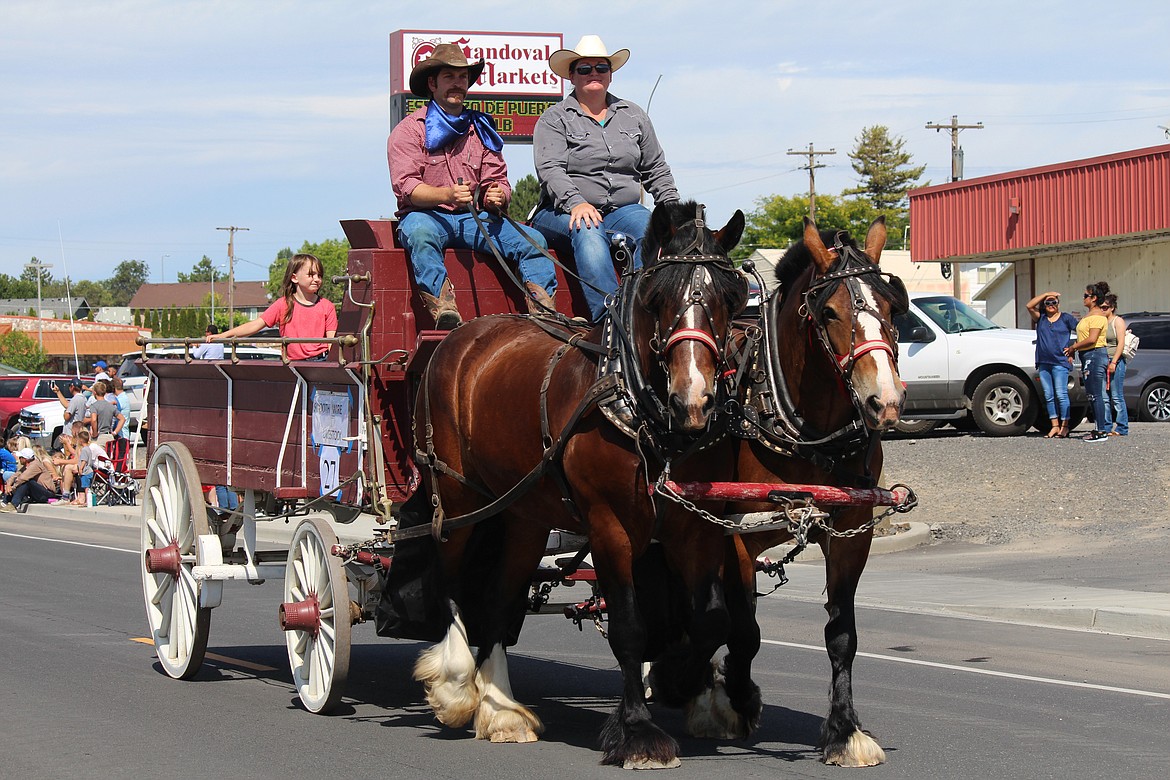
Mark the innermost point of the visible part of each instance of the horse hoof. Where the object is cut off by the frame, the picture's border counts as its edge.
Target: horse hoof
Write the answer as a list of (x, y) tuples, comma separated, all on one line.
[(512, 725), (859, 750), (711, 716), (649, 763)]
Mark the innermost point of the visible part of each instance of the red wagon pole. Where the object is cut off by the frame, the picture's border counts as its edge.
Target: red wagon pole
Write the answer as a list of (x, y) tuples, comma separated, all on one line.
[(821, 495)]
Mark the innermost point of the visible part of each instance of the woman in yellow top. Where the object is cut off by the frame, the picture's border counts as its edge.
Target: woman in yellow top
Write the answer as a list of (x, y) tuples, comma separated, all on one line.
[(1090, 344)]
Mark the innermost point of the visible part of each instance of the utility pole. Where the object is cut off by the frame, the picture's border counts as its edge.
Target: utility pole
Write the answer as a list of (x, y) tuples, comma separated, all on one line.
[(812, 154), (162, 275), (956, 150), (231, 272), (39, 267), (956, 273)]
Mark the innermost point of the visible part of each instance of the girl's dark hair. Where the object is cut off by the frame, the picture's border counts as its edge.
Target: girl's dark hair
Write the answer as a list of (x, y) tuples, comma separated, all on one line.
[(1098, 291), (1111, 299)]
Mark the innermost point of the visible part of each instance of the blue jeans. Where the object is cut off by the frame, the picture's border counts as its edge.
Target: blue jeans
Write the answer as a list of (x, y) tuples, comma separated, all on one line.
[(590, 247), (1093, 363), (1115, 412), (226, 499), (1054, 380), (426, 234)]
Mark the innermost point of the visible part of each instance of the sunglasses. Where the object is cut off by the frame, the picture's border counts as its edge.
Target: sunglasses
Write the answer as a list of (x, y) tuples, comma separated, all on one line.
[(1088, 295), (1051, 302), (585, 70)]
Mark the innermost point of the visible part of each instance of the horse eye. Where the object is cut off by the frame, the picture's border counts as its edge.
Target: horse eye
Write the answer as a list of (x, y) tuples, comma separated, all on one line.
[(828, 315)]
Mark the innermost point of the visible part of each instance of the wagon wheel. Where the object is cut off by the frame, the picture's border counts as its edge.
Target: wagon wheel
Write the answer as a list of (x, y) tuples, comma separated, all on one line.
[(173, 516), (316, 616)]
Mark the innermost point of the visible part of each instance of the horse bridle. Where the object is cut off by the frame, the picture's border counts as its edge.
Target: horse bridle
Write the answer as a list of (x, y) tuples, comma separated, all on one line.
[(853, 266)]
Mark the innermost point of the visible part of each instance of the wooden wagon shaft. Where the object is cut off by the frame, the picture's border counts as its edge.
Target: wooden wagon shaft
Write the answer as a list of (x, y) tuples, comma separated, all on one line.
[(822, 495)]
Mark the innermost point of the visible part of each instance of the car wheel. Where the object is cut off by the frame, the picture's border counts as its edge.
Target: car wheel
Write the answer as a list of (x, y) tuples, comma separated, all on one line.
[(1155, 403), (916, 427), (1003, 405)]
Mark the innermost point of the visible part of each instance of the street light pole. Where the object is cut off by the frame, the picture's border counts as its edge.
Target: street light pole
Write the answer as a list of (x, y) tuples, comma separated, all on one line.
[(162, 276), (39, 267)]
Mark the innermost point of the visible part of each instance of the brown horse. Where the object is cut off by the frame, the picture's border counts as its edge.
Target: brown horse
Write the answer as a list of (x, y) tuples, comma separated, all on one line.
[(825, 387), (506, 402)]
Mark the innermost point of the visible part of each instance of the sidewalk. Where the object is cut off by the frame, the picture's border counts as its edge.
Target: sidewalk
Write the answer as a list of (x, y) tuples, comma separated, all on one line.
[(1129, 613)]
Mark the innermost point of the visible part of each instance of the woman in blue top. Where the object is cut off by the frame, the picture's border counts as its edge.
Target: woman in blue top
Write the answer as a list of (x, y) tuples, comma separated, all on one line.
[(1054, 330)]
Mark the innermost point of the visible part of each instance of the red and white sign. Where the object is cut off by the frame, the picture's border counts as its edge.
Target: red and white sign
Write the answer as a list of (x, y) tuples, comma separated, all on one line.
[(515, 63)]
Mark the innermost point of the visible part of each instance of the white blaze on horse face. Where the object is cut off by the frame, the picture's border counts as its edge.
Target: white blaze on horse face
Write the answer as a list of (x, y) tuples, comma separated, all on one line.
[(696, 388), (887, 384)]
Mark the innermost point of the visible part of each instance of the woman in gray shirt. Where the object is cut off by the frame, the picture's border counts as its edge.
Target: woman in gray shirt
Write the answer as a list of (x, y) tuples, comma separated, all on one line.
[(594, 153)]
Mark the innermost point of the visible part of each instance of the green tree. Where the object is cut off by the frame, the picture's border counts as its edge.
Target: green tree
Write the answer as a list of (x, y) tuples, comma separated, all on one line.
[(334, 256), (885, 170), (29, 274), (128, 276), (95, 293), (778, 221), (525, 195), (202, 272), (20, 351)]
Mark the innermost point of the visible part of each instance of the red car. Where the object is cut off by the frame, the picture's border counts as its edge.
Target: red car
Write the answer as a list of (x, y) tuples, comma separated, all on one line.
[(20, 390)]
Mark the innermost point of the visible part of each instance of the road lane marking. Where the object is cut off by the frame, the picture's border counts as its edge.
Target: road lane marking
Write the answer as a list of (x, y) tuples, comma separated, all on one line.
[(985, 672), (217, 657), (69, 541)]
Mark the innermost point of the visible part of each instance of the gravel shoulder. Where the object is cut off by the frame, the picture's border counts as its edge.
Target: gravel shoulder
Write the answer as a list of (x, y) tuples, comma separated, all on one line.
[(1062, 508)]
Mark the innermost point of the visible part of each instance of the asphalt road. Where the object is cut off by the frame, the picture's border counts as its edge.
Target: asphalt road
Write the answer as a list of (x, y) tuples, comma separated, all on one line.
[(947, 697)]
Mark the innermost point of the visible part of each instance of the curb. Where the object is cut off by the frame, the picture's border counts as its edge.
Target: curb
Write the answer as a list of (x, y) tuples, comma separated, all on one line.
[(918, 534)]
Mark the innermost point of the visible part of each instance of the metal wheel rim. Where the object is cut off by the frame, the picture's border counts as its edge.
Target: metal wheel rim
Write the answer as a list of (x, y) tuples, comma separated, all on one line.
[(1158, 404), (319, 664), (1011, 402), (173, 511)]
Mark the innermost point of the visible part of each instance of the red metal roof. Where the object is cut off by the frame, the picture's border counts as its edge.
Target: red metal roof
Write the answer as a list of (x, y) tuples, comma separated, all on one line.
[(1083, 200)]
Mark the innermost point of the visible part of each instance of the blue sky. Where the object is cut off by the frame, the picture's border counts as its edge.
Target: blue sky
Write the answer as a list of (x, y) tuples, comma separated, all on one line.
[(132, 129)]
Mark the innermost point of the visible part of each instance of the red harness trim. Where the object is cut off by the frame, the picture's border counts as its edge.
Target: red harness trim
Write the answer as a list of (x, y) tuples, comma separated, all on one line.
[(874, 345), (692, 334)]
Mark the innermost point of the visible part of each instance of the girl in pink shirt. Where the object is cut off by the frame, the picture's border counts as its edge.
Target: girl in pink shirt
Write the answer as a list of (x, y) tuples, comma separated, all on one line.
[(300, 312)]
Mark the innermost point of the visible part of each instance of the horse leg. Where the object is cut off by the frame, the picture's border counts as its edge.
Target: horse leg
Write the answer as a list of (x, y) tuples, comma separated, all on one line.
[(843, 742), (629, 738), (500, 718), (448, 672), (731, 708)]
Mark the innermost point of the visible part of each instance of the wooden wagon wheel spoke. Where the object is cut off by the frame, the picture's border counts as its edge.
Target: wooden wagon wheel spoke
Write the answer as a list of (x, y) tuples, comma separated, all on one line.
[(173, 518), (318, 641)]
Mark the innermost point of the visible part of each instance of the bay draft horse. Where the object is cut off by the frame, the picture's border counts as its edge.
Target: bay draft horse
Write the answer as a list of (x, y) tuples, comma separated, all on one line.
[(829, 334), (480, 408)]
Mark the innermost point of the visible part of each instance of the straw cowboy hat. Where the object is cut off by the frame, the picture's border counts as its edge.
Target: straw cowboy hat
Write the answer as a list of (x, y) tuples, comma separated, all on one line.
[(588, 46), (445, 55)]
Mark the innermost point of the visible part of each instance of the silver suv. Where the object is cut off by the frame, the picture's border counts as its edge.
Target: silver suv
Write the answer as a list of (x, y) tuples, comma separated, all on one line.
[(1147, 376)]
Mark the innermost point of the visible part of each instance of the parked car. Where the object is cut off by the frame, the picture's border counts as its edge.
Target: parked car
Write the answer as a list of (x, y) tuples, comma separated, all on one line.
[(1147, 376), (43, 422), (959, 366), (18, 391)]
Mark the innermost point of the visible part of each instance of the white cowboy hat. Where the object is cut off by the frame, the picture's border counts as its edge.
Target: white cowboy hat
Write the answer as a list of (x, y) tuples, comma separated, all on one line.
[(588, 46)]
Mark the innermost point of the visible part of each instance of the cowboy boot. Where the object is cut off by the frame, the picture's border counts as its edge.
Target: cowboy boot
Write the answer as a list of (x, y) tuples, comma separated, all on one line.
[(442, 309), (539, 301)]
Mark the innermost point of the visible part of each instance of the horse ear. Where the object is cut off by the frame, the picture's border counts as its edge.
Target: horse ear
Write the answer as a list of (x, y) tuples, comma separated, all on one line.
[(729, 235), (875, 239), (812, 241), (661, 226)]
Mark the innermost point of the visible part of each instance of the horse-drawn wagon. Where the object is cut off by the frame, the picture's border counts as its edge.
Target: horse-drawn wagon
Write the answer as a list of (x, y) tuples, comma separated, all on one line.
[(600, 418)]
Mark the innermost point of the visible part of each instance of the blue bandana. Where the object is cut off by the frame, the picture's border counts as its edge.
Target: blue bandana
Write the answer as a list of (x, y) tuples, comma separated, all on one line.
[(442, 128)]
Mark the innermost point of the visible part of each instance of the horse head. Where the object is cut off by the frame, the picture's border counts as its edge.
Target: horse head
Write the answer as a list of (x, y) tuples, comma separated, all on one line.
[(687, 296), (849, 305)]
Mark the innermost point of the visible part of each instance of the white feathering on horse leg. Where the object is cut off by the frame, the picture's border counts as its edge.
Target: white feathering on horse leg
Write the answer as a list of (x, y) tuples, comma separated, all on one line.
[(448, 672), (711, 716), (860, 750), (500, 717)]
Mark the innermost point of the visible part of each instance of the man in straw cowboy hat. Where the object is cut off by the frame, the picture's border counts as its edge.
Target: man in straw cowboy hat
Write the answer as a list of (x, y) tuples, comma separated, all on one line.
[(438, 155), (594, 153)]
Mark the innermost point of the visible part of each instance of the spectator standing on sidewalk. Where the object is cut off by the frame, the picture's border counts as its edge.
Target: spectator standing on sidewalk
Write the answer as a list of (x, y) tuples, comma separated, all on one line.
[(1054, 330), (121, 397), (209, 350), (1094, 359), (1116, 413), (105, 419), (76, 404)]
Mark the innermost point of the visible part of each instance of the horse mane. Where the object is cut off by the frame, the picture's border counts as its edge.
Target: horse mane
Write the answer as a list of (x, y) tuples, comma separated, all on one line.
[(667, 280), (798, 258)]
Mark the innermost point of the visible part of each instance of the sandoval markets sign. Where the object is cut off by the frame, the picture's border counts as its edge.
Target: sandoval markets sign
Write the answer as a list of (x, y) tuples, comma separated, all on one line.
[(516, 85)]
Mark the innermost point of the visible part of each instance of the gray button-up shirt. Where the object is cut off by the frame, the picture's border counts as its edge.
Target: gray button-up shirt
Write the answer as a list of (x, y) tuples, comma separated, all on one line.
[(580, 161)]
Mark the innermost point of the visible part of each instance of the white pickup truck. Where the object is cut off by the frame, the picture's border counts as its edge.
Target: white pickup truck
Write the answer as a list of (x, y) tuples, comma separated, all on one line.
[(961, 367)]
